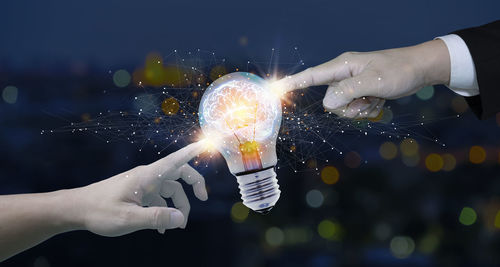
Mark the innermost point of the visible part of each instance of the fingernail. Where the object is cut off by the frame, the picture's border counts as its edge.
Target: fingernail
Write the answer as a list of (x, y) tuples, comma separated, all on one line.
[(176, 218)]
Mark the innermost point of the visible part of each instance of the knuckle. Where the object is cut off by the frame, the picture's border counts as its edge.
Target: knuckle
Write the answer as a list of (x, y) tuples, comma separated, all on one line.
[(348, 54), (156, 218), (177, 186)]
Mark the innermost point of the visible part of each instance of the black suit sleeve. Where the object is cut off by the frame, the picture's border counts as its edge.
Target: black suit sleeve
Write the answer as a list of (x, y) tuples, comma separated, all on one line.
[(484, 45)]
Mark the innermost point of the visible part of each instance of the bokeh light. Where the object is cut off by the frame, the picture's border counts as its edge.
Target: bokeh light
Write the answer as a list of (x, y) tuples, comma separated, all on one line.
[(449, 162), (330, 230), (434, 162), (425, 93), (352, 159), (170, 106), (382, 231), (497, 220), (121, 78), (459, 105), (408, 147), (243, 40), (314, 198), (411, 161), (154, 73), (274, 236), (239, 212), (217, 72), (428, 244), (330, 175), (387, 116), (297, 235), (477, 155), (467, 216), (9, 94), (402, 246), (388, 150)]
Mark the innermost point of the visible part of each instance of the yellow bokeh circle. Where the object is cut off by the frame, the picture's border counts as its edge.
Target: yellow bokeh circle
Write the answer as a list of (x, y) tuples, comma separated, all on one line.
[(434, 162), (239, 212), (409, 147), (388, 150), (170, 106), (477, 154), (449, 162), (330, 175)]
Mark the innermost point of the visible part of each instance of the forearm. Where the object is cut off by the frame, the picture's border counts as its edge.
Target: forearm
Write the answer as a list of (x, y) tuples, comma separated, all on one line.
[(28, 219)]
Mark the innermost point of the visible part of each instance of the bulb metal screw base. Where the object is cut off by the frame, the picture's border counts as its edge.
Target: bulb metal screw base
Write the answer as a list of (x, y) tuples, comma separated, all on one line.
[(259, 189)]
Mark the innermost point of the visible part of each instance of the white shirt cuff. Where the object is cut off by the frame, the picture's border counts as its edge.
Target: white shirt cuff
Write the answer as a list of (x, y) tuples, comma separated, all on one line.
[(463, 79)]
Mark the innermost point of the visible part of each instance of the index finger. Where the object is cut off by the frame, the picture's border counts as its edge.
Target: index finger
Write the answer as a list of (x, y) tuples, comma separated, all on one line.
[(320, 75), (181, 156)]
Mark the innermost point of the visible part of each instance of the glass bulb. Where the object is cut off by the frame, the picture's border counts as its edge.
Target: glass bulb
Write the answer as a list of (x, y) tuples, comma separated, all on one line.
[(240, 114)]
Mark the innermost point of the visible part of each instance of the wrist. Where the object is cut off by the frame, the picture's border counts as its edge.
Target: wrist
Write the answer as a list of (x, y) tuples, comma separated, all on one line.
[(66, 213), (432, 62)]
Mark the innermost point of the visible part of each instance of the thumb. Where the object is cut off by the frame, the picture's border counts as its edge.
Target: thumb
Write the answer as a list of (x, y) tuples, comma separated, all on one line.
[(344, 92), (159, 218)]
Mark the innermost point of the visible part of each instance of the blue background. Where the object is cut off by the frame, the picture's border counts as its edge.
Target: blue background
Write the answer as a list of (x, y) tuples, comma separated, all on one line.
[(58, 54)]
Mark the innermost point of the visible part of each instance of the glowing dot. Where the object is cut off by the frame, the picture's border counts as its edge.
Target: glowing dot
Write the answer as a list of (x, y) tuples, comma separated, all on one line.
[(314, 198), (239, 212), (330, 175), (402, 246), (434, 162), (170, 106), (329, 230), (425, 93), (9, 94), (274, 236), (408, 147), (497, 219), (477, 154), (467, 216), (388, 150), (121, 78), (352, 159), (449, 162)]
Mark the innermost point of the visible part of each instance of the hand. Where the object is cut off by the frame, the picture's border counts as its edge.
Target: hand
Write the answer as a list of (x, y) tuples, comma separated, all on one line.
[(359, 83), (134, 200)]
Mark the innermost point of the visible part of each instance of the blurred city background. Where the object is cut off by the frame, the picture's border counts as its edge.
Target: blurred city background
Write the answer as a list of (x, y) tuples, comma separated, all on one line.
[(386, 201)]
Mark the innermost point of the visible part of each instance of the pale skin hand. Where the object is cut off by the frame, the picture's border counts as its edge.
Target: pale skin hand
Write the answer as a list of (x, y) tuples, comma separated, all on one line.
[(359, 83), (125, 203)]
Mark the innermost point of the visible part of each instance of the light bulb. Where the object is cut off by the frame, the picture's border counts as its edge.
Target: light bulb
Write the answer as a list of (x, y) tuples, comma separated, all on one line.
[(240, 114)]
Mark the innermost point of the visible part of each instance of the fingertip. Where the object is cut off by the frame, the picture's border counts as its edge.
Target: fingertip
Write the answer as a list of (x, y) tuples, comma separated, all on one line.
[(200, 191), (176, 218)]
